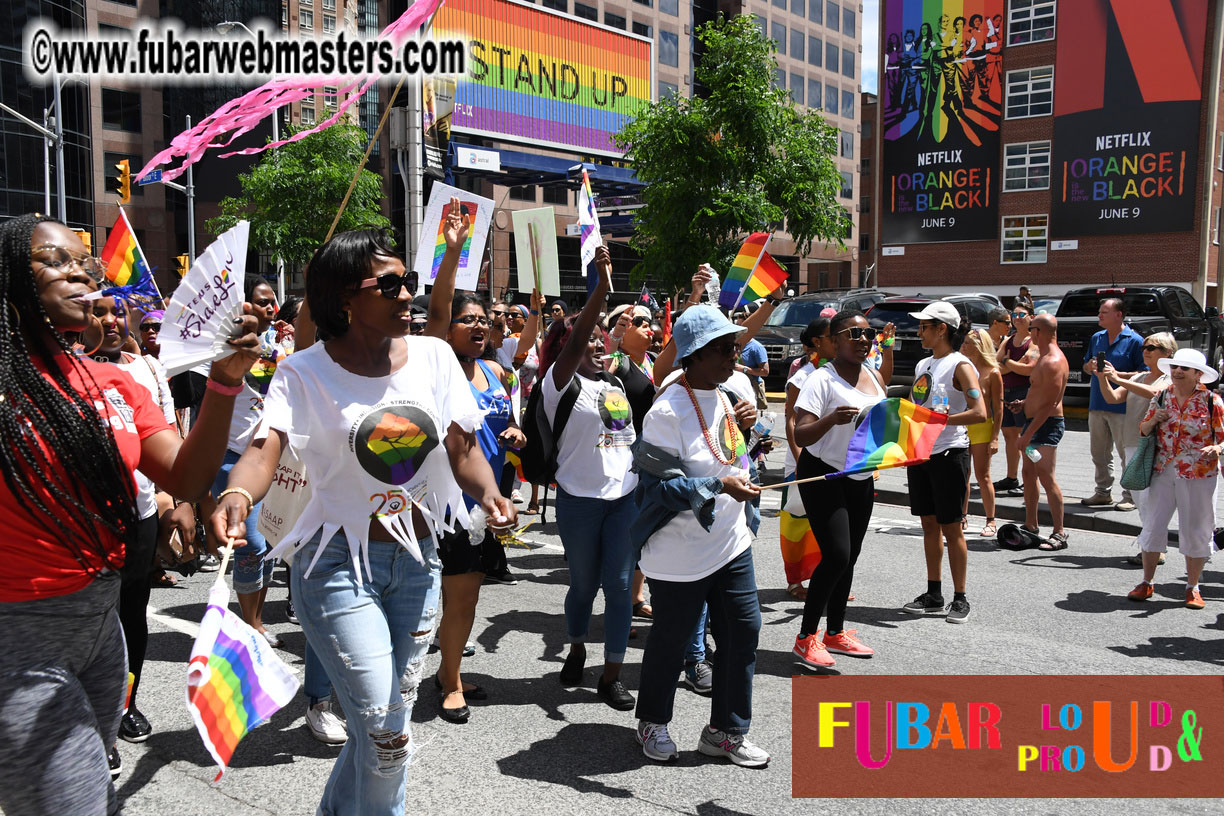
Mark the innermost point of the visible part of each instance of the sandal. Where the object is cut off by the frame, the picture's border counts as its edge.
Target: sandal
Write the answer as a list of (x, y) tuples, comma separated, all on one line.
[(964, 523), (164, 579), (1058, 541), (530, 510), (642, 609), (797, 591), (989, 530)]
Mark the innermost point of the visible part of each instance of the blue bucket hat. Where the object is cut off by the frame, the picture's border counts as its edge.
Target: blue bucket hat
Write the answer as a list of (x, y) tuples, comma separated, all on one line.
[(699, 326)]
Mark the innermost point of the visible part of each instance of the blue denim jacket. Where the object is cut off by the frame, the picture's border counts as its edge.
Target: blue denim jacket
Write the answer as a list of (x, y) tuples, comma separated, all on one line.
[(664, 490)]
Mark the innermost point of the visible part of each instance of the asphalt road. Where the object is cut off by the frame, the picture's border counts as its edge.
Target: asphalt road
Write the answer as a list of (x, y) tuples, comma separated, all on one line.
[(536, 747)]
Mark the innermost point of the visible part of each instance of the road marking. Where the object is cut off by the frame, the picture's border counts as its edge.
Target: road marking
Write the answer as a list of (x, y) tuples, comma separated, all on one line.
[(177, 624)]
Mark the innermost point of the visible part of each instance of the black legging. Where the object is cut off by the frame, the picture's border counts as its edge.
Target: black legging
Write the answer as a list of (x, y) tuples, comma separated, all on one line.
[(134, 595), (839, 511)]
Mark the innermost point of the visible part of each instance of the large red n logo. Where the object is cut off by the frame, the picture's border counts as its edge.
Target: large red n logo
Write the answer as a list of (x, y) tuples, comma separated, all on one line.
[(1164, 43)]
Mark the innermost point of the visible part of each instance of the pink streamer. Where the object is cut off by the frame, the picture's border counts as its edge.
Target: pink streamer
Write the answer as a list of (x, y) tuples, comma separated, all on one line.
[(241, 115)]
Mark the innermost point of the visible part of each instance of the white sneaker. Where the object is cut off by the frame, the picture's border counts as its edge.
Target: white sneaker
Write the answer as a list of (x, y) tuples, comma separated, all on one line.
[(656, 742), (324, 725), (734, 747)]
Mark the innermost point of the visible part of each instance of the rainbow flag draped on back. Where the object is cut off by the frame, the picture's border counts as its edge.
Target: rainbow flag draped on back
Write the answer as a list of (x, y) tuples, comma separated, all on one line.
[(234, 679), (894, 433), (753, 274), (126, 268)]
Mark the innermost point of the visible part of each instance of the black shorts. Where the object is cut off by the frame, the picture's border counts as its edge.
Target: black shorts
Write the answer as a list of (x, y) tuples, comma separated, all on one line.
[(939, 485), (1050, 433), (1010, 419), (460, 556)]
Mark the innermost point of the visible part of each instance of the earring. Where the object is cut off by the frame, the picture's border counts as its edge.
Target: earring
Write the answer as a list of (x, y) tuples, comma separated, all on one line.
[(348, 315), (101, 336)]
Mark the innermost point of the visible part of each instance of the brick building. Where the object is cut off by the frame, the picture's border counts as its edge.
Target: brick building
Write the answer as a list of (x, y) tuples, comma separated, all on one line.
[(1105, 163)]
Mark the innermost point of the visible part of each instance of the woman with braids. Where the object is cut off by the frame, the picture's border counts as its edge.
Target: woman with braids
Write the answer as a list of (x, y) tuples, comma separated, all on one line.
[(72, 431)]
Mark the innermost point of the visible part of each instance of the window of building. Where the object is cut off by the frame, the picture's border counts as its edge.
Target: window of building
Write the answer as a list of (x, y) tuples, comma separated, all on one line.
[(1025, 239), (780, 79), (305, 20), (831, 99), (777, 32), (121, 110), (667, 89), (559, 5), (868, 130), (832, 52), (615, 21), (847, 104), (780, 4), (586, 12), (522, 194), (308, 99), (1026, 166), (669, 48), (797, 7), (815, 51), (848, 22), (1220, 152), (284, 17), (796, 44), (865, 205), (1215, 228), (832, 15), (308, 115), (762, 24), (1030, 21), (1030, 92), (642, 29), (330, 99), (329, 23), (847, 188), (847, 145), (555, 194), (329, 5), (864, 243), (646, 3), (796, 88), (847, 64), (816, 11), (671, 7), (814, 94), (865, 166)]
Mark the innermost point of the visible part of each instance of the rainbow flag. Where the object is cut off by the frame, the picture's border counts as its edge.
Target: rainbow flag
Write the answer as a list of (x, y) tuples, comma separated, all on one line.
[(126, 269), (754, 274), (588, 229), (513, 458), (894, 433), (234, 679), (440, 238)]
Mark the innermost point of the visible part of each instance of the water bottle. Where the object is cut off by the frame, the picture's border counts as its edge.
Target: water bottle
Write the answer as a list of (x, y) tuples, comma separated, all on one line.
[(939, 399), (1033, 454), (761, 431)]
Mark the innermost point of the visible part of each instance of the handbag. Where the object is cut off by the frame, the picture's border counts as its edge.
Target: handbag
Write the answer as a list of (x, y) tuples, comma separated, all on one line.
[(1138, 472), (286, 498)]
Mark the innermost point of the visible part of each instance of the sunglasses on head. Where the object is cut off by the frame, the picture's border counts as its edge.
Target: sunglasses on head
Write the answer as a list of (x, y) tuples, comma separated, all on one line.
[(389, 285), (857, 333), (472, 320), (150, 327)]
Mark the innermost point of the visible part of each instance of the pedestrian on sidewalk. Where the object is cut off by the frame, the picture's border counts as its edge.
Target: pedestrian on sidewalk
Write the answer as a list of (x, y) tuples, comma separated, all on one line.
[(984, 435), (1043, 429), (839, 509), (1123, 349), (1189, 423), (937, 487), (1016, 359)]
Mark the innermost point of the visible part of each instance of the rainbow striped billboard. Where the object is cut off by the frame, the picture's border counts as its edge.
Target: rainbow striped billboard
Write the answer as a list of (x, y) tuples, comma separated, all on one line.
[(540, 77)]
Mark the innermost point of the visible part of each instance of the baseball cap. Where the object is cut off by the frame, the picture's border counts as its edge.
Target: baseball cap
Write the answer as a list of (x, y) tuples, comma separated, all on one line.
[(939, 310)]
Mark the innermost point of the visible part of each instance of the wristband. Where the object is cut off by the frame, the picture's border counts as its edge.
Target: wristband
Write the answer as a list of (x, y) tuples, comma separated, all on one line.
[(535, 312), (888, 343), (221, 388), (772, 301), (241, 492)]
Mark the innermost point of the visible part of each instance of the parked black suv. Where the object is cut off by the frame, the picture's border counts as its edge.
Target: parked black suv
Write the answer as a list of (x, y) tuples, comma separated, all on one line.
[(908, 349), (1149, 309), (780, 334)]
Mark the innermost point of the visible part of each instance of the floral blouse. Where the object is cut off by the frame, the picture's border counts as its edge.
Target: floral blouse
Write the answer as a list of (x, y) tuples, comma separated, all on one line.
[(1181, 438)]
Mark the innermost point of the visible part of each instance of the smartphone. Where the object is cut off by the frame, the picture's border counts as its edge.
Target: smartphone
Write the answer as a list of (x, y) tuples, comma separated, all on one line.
[(1100, 361)]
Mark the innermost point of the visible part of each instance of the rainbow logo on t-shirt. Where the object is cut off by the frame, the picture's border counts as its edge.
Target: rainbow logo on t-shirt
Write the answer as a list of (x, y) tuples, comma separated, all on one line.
[(392, 442), (614, 409), (921, 389)]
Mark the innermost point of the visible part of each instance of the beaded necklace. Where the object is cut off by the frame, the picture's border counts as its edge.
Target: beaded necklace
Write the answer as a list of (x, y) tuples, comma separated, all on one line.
[(705, 429)]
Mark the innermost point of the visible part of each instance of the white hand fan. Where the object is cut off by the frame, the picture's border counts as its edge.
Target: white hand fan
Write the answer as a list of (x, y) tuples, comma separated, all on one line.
[(200, 317)]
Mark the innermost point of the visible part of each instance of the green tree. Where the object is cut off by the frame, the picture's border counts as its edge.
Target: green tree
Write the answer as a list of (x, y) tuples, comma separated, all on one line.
[(292, 194), (740, 160)]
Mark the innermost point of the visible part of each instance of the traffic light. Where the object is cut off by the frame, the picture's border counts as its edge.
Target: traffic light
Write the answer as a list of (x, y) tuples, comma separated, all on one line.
[(86, 239), (123, 184), (182, 264)]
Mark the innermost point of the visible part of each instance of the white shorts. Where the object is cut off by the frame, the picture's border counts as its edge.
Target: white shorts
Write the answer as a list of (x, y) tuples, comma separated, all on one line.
[(1194, 501)]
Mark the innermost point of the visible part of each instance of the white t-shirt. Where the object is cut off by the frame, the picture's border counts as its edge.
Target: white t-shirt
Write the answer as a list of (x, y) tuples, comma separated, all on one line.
[(928, 374), (594, 452), (738, 384), (372, 446), (249, 405), (148, 372), (682, 550), (824, 391), (797, 380)]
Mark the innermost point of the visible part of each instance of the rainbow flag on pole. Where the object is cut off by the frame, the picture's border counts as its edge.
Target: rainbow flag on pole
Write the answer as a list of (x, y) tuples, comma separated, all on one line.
[(588, 227), (753, 274), (126, 267), (234, 679), (893, 433)]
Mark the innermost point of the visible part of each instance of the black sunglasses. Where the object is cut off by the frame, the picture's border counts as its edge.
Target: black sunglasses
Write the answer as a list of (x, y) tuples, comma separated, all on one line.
[(857, 333), (389, 285), (639, 321), (1150, 347)]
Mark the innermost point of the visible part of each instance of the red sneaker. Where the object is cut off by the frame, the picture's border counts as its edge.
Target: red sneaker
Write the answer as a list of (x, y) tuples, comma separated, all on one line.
[(811, 652), (1194, 600), (844, 643), (1142, 592)]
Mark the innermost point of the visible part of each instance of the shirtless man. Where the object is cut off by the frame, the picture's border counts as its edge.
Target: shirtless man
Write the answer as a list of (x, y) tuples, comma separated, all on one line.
[(1043, 427)]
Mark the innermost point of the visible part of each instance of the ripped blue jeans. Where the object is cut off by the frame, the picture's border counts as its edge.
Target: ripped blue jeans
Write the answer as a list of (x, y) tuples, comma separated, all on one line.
[(371, 636)]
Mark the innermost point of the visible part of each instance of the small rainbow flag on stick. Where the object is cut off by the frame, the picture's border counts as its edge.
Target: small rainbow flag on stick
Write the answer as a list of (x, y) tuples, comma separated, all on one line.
[(753, 275), (126, 268), (234, 679), (893, 433)]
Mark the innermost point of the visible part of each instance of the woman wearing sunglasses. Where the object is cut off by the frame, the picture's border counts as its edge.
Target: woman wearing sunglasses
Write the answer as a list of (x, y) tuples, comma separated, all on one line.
[(839, 509), (1188, 421), (72, 433), (385, 426)]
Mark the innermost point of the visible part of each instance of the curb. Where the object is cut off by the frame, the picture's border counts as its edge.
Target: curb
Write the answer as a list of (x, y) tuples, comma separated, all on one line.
[(1072, 518)]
